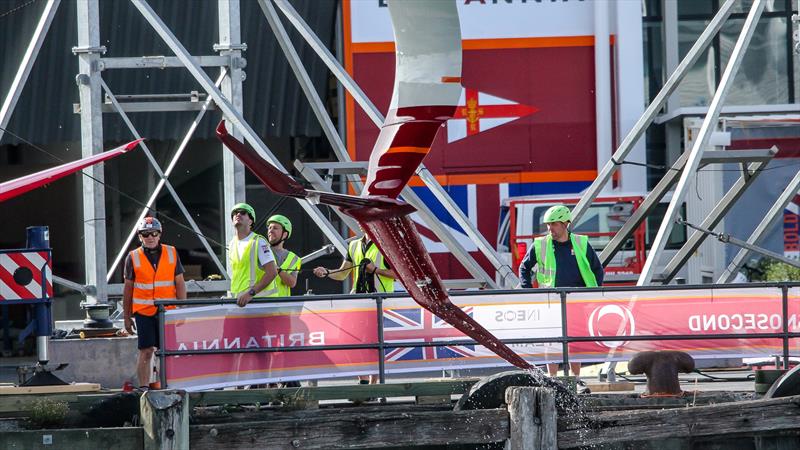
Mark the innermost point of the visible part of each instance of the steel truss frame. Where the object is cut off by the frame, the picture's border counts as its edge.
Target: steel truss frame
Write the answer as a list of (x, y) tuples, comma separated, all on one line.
[(689, 162), (228, 98), (506, 275), (225, 94)]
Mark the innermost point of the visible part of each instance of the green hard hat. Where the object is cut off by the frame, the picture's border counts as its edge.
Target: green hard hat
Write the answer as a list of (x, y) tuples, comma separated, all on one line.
[(557, 213), (250, 211), (282, 221)]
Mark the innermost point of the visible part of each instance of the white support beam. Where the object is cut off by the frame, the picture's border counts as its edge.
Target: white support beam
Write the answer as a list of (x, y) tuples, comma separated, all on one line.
[(94, 210), (233, 116), (230, 45), (652, 110), (26, 64), (160, 62), (163, 181), (602, 84), (701, 142)]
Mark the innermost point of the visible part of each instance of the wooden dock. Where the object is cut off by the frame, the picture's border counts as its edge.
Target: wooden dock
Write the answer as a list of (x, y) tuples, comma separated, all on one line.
[(416, 415)]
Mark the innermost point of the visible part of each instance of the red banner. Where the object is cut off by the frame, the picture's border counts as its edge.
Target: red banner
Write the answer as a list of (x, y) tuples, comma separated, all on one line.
[(523, 315)]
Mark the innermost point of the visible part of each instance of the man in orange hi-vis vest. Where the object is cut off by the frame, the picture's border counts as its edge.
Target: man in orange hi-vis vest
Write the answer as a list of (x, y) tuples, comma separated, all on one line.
[(152, 272)]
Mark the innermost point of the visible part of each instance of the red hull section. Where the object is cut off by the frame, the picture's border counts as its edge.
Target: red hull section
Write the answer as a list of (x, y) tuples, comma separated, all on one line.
[(402, 145), (19, 186), (387, 223), (397, 237)]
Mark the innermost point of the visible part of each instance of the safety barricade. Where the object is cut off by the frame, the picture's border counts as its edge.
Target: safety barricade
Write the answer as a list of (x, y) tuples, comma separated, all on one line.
[(214, 343)]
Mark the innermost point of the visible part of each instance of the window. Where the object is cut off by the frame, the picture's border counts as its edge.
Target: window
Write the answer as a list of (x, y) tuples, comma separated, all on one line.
[(678, 236), (763, 77)]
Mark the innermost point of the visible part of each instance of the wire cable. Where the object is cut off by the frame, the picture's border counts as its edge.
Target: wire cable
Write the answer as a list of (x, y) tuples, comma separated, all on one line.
[(117, 190), (17, 9)]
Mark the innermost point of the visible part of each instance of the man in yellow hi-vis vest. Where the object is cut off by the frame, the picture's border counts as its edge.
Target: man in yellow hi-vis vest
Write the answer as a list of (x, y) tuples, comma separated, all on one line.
[(371, 272), (562, 259), (251, 263), (279, 229)]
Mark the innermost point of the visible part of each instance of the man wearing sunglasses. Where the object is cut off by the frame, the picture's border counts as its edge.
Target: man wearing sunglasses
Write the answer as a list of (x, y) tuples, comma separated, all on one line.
[(251, 262), (152, 272)]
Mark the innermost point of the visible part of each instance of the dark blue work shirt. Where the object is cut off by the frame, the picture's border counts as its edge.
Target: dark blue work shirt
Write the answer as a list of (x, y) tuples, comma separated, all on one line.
[(567, 272)]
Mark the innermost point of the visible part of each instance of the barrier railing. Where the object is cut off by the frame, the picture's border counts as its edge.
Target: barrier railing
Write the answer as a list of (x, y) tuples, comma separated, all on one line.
[(603, 300)]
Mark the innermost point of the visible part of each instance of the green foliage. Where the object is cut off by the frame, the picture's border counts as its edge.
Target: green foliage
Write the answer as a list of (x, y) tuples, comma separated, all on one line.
[(48, 413), (778, 271)]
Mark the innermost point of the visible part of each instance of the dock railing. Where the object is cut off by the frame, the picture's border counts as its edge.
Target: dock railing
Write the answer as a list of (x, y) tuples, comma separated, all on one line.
[(380, 299)]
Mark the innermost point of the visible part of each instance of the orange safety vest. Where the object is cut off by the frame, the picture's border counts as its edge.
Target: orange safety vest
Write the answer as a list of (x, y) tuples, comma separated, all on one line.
[(153, 284)]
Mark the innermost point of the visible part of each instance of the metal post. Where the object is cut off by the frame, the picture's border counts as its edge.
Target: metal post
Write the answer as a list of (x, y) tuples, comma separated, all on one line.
[(785, 321), (761, 230), (652, 110), (233, 116), (671, 36), (381, 342), (602, 82), (708, 127), (714, 217), (230, 44), (564, 333), (94, 210), (162, 358), (163, 181), (27, 63), (377, 118)]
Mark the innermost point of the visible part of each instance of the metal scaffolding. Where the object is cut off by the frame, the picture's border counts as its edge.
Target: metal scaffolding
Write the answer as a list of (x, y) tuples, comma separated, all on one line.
[(225, 93)]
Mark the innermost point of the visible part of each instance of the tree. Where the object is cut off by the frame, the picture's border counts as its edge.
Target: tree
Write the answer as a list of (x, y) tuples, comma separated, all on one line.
[(778, 271)]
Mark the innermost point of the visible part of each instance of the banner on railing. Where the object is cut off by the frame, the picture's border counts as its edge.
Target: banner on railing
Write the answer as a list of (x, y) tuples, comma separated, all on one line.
[(508, 316)]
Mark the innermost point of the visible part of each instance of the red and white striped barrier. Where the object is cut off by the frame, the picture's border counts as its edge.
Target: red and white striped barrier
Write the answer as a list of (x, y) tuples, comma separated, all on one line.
[(21, 275)]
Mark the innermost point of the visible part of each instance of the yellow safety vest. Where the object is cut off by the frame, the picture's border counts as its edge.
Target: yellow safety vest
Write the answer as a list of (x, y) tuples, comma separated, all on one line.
[(292, 262), (382, 283), (546, 260), (245, 271)]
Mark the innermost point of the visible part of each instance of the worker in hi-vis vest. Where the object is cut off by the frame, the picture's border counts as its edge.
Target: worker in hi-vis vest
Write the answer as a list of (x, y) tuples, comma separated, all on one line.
[(371, 272), (251, 265), (562, 259), (279, 229), (152, 272)]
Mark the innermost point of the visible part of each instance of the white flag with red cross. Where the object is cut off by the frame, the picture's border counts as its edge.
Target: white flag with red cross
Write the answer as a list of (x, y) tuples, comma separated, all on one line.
[(478, 111)]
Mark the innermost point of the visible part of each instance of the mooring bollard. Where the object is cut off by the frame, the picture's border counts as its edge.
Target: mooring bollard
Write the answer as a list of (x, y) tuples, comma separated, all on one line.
[(165, 419), (533, 419)]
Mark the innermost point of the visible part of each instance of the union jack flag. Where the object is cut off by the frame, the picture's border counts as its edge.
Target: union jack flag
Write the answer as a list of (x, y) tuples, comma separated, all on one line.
[(420, 325)]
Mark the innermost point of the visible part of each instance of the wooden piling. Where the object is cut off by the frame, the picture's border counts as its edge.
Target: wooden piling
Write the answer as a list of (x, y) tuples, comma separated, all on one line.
[(532, 419), (165, 420)]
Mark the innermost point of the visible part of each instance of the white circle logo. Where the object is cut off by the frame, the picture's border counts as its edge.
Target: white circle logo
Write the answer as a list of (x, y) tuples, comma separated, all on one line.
[(624, 325)]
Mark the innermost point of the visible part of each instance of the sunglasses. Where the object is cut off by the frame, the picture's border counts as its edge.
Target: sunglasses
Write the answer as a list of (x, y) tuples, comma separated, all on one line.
[(147, 234), (240, 211)]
